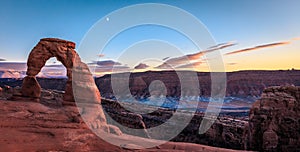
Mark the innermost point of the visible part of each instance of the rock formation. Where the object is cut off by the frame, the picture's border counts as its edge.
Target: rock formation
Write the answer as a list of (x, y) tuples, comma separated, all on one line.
[(226, 132), (1, 92), (243, 84), (80, 81), (49, 47), (274, 123), (47, 126)]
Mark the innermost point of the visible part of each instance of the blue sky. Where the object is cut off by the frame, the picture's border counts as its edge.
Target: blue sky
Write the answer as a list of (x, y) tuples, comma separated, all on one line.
[(249, 22)]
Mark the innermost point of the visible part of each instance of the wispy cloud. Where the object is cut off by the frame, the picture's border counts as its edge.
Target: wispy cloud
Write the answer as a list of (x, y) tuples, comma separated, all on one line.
[(173, 62), (295, 39), (190, 65), (105, 63), (164, 66), (12, 69), (13, 66), (198, 55), (141, 66), (100, 68), (270, 45), (107, 69), (165, 58), (18, 69), (100, 55), (231, 63), (55, 66), (222, 45)]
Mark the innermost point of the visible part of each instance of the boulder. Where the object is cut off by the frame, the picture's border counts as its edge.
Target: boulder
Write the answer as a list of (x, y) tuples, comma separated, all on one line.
[(31, 87)]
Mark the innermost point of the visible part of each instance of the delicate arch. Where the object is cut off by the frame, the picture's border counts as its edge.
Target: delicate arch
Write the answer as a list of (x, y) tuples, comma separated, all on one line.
[(47, 48), (83, 82)]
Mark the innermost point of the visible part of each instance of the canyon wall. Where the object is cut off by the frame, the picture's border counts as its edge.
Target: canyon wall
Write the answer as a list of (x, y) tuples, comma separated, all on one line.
[(244, 84)]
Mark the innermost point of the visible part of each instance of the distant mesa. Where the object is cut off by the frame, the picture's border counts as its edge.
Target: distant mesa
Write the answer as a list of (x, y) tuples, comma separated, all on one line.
[(141, 66)]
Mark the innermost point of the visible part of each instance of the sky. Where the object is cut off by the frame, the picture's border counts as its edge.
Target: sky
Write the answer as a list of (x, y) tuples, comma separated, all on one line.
[(264, 34)]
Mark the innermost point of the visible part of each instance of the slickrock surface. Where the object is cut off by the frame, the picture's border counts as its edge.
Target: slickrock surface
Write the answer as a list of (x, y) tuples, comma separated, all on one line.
[(275, 120), (31, 126)]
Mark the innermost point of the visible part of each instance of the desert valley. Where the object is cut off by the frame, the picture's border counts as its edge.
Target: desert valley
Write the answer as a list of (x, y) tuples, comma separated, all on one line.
[(148, 75)]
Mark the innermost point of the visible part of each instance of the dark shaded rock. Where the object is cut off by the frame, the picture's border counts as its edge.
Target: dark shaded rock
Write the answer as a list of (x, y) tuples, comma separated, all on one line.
[(31, 87), (1, 90), (275, 120), (225, 132)]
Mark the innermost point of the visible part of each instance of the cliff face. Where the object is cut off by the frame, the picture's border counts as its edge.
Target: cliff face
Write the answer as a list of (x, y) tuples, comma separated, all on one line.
[(244, 84), (274, 123)]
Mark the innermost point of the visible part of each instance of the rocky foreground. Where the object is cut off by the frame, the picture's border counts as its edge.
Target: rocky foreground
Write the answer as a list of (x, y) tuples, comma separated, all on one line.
[(30, 126), (273, 125)]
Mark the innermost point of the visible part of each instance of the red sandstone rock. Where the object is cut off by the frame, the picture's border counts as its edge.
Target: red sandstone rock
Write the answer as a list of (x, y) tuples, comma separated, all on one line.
[(274, 120), (82, 83), (31, 87), (28, 126), (49, 47)]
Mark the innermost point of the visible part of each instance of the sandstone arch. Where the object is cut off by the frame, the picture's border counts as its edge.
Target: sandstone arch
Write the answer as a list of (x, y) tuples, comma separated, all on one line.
[(87, 92), (47, 48)]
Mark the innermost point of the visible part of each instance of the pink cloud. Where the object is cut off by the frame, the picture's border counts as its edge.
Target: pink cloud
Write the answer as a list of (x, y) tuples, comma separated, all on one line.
[(270, 45)]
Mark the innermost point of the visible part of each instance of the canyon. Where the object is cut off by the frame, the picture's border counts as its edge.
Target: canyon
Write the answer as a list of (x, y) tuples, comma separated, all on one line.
[(248, 85), (260, 110), (273, 124)]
